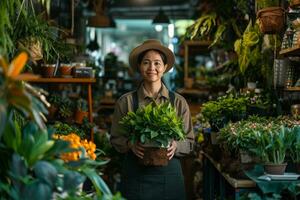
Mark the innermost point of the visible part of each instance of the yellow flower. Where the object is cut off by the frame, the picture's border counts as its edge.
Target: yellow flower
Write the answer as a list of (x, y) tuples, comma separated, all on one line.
[(76, 143)]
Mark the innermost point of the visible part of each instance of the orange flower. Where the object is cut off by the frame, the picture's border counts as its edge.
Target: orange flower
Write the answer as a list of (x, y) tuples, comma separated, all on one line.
[(76, 143)]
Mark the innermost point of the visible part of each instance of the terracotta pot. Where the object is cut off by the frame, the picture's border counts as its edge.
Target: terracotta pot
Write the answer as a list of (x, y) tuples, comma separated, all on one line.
[(277, 169), (271, 20), (80, 115), (188, 83), (52, 110), (155, 156), (294, 3), (65, 70), (47, 70)]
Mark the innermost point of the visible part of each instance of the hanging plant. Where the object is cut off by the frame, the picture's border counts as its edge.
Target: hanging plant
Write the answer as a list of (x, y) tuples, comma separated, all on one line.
[(248, 47)]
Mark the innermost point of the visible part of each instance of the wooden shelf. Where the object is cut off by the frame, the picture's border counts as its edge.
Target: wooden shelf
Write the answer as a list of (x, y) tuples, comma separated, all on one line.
[(194, 47), (56, 80), (197, 92), (60, 80), (293, 89), (294, 51)]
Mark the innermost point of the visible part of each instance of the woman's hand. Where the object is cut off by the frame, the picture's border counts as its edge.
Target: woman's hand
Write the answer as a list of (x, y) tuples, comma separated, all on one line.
[(172, 149), (137, 149)]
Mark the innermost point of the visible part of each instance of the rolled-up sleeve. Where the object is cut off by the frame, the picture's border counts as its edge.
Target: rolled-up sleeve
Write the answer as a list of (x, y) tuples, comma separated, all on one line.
[(117, 134), (185, 146)]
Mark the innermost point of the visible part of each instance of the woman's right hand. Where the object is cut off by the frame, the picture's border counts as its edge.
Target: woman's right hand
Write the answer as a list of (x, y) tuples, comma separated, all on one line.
[(137, 149)]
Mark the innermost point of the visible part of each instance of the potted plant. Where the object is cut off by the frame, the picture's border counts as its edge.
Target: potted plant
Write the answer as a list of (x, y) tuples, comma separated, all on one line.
[(154, 126), (272, 149), (48, 70), (294, 3), (54, 100), (65, 109), (65, 70), (270, 16), (294, 151), (30, 163), (81, 111)]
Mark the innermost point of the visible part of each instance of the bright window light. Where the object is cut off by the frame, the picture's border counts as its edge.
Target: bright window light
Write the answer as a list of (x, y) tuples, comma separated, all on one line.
[(158, 28)]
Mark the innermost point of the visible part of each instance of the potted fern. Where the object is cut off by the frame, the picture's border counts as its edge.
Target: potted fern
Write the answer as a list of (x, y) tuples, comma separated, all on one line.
[(155, 126)]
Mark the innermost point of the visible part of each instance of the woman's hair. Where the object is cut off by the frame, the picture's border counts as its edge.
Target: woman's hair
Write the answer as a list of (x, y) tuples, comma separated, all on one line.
[(162, 55)]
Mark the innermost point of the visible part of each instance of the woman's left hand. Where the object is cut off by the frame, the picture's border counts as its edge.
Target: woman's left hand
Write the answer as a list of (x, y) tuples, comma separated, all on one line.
[(172, 149)]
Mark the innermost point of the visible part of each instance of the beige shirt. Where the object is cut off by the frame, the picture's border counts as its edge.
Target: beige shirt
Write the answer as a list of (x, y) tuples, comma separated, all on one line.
[(125, 104)]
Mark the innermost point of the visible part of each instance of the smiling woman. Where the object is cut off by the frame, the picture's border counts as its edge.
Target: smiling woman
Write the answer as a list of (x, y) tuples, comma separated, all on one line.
[(138, 181)]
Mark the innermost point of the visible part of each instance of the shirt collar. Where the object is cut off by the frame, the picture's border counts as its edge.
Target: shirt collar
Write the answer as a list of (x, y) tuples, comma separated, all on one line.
[(143, 93)]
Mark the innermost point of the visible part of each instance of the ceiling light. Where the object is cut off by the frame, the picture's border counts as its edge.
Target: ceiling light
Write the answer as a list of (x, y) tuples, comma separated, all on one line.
[(161, 18)]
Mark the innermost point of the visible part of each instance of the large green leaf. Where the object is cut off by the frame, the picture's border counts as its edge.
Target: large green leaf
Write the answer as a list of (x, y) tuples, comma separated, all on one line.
[(99, 184), (45, 171), (72, 180), (36, 191)]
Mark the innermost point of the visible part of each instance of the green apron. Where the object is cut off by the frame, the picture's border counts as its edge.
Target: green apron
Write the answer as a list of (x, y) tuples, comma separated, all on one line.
[(141, 182)]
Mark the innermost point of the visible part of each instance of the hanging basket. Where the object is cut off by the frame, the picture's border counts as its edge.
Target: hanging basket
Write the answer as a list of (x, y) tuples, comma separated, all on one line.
[(271, 20), (294, 3)]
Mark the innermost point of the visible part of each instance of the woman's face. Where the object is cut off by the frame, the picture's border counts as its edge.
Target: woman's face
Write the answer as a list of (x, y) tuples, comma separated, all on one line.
[(152, 66)]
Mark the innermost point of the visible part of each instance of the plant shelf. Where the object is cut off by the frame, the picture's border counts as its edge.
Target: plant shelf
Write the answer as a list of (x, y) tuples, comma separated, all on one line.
[(293, 89), (294, 51), (60, 80)]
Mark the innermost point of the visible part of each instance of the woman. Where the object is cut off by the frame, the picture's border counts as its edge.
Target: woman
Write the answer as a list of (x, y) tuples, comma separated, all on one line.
[(152, 60)]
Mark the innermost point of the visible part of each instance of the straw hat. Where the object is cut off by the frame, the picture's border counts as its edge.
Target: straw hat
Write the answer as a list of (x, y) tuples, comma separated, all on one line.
[(148, 45)]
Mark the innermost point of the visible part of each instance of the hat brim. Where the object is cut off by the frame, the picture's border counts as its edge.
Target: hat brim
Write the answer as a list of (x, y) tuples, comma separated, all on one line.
[(133, 57)]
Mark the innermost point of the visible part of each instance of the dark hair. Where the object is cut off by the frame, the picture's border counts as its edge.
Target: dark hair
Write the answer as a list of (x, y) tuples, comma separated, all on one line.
[(162, 55)]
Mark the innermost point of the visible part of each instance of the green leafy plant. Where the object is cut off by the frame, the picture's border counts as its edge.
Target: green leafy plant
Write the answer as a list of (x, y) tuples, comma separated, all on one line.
[(66, 108), (248, 47), (267, 3), (30, 162), (65, 129), (55, 99), (203, 26), (82, 105), (267, 138), (224, 109), (294, 151), (154, 123), (272, 147)]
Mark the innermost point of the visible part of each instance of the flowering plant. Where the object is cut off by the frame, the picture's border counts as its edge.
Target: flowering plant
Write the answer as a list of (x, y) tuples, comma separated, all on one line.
[(83, 148), (267, 138)]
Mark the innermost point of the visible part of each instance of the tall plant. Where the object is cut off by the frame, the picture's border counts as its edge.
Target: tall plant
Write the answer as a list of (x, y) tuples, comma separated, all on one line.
[(30, 164)]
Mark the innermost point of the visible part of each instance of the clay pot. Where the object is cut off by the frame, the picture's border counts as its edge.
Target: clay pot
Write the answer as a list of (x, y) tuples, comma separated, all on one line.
[(294, 3), (52, 110), (65, 70), (80, 115), (47, 70), (155, 156), (277, 169)]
